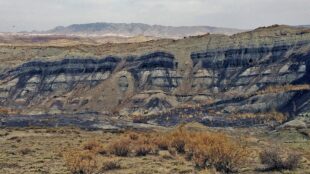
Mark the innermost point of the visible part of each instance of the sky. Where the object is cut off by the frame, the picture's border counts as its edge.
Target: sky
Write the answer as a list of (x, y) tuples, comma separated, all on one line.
[(28, 15)]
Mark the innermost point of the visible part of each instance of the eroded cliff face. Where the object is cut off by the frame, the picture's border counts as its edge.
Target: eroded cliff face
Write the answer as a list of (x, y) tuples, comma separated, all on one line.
[(255, 72), (245, 71), (73, 82)]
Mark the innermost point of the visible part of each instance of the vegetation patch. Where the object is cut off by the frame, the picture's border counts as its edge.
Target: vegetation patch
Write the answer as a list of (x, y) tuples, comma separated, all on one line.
[(81, 162), (204, 149), (277, 159)]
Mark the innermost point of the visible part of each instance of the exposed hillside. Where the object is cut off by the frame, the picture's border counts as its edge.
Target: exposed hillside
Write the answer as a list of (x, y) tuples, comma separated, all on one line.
[(214, 79), (136, 29)]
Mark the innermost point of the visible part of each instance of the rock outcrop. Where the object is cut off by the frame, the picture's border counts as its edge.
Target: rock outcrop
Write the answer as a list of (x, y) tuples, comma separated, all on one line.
[(30, 81), (209, 78)]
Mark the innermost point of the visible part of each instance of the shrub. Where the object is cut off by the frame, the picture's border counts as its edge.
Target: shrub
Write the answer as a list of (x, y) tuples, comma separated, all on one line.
[(205, 149), (93, 146), (120, 147), (292, 161), (110, 165), (178, 144), (143, 149), (144, 145), (178, 139), (189, 151), (80, 162), (133, 136), (162, 142), (276, 159), (217, 150)]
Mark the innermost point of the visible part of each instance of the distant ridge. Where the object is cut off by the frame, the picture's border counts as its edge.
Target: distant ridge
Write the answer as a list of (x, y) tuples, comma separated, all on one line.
[(305, 26), (138, 29)]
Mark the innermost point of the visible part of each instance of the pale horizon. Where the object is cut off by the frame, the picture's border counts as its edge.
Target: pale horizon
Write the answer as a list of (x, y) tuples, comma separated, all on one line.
[(40, 15)]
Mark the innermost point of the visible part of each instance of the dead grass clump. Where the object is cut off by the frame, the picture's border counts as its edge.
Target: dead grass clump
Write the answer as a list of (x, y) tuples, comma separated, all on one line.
[(283, 88), (178, 144), (267, 117), (4, 111), (51, 131), (276, 159), (25, 151), (94, 146), (143, 145), (143, 149), (120, 147), (165, 155), (14, 138), (275, 116), (139, 119), (4, 134), (133, 136), (172, 151), (80, 162), (292, 161), (178, 139), (162, 142), (8, 165)]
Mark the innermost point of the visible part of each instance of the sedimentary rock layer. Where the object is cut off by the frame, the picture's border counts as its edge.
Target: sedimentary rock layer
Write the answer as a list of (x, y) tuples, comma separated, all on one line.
[(225, 74)]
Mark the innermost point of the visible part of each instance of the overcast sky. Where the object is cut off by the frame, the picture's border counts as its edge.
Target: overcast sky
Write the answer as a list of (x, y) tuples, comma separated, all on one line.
[(18, 15)]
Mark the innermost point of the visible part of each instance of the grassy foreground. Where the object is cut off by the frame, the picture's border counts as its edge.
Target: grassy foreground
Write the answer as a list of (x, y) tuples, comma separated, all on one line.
[(190, 148)]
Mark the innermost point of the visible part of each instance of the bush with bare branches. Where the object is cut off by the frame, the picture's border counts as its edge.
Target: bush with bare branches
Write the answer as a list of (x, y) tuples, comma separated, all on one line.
[(120, 147), (110, 165), (80, 162), (208, 149), (277, 159)]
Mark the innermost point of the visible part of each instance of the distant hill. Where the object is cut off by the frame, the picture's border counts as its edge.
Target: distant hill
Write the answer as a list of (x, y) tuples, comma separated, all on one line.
[(137, 29), (303, 26)]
